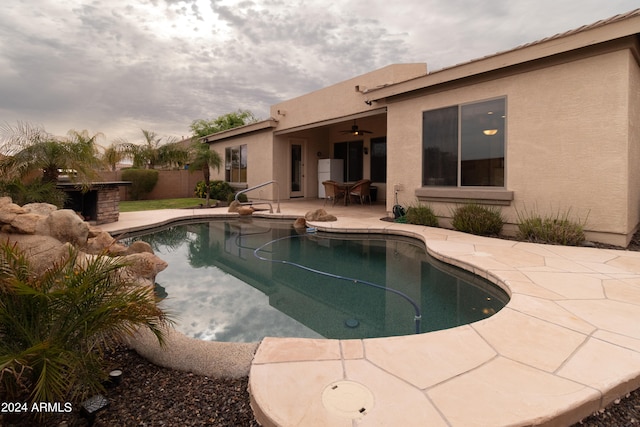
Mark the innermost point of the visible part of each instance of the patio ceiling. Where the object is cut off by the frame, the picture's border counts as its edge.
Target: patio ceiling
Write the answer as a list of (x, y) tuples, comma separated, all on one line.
[(330, 122)]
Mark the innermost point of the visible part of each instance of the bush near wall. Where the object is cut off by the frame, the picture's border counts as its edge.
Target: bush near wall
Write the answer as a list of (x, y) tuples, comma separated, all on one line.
[(557, 229), (142, 181), (421, 215), (476, 219), (218, 190)]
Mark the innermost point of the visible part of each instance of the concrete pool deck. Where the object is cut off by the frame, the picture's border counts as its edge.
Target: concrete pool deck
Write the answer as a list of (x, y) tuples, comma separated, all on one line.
[(566, 345)]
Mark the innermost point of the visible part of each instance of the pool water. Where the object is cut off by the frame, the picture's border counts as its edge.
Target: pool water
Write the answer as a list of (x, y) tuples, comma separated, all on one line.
[(242, 280)]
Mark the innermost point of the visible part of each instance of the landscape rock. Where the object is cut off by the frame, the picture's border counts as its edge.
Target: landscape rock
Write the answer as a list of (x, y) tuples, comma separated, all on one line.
[(42, 251), (245, 210), (66, 226), (143, 265), (5, 200), (99, 243), (139, 247), (300, 223), (27, 223), (9, 211), (118, 249), (319, 215), (234, 206), (39, 208), (47, 235)]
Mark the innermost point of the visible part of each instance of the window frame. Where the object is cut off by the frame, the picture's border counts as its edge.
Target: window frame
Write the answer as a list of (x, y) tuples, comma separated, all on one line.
[(490, 195), (458, 134), (230, 165), (378, 163)]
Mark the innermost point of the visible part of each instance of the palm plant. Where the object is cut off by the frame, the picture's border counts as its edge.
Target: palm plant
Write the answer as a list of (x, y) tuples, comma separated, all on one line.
[(55, 324), (203, 158), (153, 152), (112, 155), (33, 192), (30, 150)]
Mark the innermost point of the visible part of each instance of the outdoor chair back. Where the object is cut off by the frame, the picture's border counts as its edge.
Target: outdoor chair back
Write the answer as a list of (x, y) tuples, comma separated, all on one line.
[(361, 190), (333, 191)]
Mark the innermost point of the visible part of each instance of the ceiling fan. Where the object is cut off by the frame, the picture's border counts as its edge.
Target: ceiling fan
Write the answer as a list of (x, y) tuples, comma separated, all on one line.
[(355, 131)]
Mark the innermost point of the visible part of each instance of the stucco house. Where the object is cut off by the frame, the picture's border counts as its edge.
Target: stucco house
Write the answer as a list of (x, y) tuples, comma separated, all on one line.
[(553, 126)]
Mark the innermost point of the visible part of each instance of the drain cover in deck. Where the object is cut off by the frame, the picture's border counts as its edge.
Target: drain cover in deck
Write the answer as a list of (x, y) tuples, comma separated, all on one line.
[(348, 399)]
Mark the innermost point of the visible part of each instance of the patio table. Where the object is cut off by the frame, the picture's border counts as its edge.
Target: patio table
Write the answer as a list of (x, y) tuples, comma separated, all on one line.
[(346, 187)]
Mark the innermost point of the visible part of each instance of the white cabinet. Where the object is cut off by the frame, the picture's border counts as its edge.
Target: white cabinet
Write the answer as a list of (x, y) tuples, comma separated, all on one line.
[(329, 169)]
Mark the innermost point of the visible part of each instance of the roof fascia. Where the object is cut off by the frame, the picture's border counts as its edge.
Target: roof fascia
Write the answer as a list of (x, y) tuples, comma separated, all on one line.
[(553, 46), (329, 122), (241, 130)]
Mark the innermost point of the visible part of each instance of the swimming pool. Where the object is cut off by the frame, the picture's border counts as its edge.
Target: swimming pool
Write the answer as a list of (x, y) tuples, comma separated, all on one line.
[(243, 279)]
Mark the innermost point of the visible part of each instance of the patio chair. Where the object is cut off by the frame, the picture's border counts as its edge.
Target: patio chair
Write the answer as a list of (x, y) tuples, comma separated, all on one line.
[(361, 190), (333, 191)]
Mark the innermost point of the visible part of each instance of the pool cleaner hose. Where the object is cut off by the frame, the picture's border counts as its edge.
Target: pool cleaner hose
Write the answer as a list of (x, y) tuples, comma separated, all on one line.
[(416, 307)]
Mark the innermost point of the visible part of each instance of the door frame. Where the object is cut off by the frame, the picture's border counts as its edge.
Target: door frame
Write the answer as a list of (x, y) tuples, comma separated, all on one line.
[(302, 167)]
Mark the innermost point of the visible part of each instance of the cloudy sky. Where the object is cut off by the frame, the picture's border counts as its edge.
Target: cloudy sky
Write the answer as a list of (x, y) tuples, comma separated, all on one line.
[(118, 66)]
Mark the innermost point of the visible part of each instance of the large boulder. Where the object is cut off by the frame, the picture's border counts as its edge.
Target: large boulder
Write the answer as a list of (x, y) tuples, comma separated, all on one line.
[(48, 235), (319, 215), (27, 223), (245, 210), (42, 251), (40, 208), (98, 242), (143, 266), (9, 211), (139, 247), (66, 226), (234, 206), (5, 200)]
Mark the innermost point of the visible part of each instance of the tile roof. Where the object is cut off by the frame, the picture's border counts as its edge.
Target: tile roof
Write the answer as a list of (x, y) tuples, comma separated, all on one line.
[(601, 23)]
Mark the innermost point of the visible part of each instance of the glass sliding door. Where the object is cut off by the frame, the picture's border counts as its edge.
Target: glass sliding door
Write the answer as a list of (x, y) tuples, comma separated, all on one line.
[(351, 153), (297, 173)]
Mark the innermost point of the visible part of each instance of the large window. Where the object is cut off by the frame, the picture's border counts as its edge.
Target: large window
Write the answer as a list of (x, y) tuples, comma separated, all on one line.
[(351, 153), (235, 164), (464, 145), (379, 159)]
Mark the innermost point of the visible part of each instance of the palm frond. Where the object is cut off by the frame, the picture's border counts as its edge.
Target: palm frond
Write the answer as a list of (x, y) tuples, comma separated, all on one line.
[(56, 324)]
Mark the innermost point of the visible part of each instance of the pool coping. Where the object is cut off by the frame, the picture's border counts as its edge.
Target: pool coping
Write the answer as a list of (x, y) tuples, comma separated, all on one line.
[(566, 344)]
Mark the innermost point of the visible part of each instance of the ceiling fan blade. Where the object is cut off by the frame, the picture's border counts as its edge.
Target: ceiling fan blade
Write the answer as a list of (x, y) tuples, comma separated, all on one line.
[(355, 130)]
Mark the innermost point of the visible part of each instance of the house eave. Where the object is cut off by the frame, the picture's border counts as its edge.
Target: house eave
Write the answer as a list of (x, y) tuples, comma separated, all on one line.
[(329, 122), (619, 27), (241, 131)]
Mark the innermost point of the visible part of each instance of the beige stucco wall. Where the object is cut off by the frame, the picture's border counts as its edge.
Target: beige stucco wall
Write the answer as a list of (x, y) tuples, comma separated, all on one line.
[(313, 142), (634, 141), (342, 99), (567, 140), (260, 166)]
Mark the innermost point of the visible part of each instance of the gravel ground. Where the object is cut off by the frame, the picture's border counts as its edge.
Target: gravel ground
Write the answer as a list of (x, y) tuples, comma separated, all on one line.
[(149, 395), (153, 396)]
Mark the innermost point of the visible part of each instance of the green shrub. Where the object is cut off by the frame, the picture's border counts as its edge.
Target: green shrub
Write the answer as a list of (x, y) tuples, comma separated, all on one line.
[(476, 219), (56, 324), (218, 190), (555, 229), (241, 198), (200, 191), (142, 181), (421, 215), (34, 192)]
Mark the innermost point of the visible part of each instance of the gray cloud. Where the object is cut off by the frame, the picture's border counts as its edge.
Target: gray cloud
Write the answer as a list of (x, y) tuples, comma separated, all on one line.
[(115, 67)]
